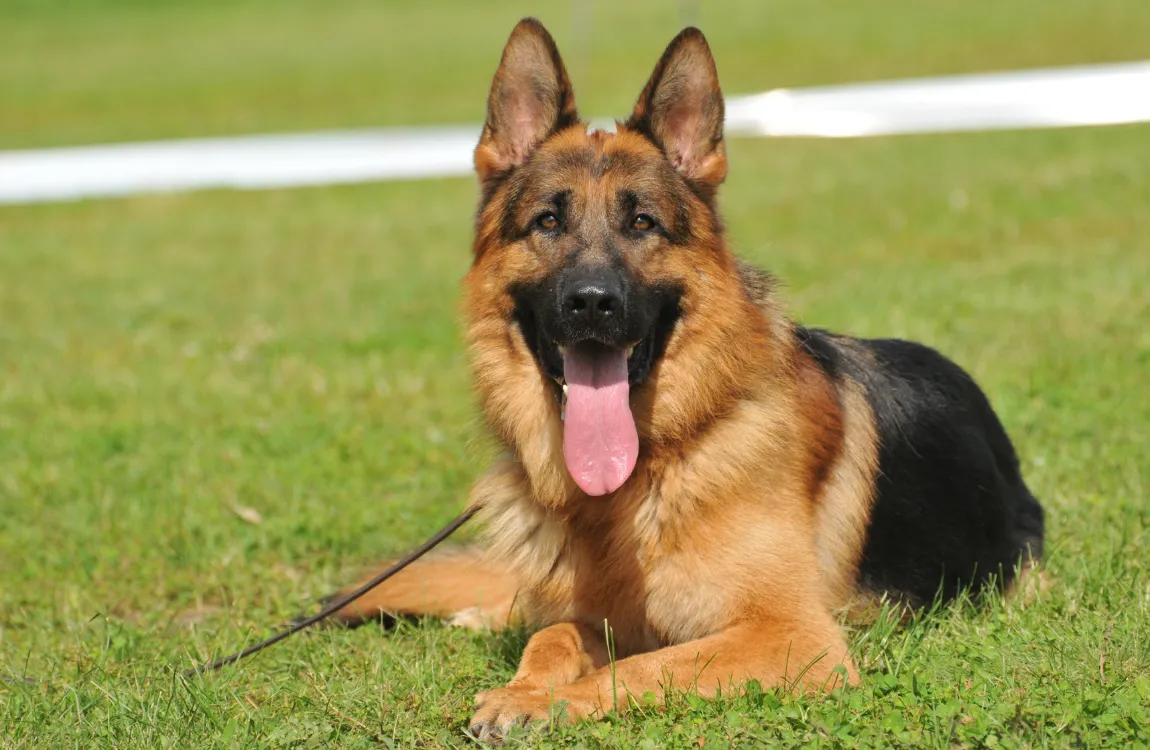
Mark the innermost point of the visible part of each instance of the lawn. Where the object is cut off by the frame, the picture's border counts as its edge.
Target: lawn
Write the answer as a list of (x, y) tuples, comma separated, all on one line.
[(217, 407)]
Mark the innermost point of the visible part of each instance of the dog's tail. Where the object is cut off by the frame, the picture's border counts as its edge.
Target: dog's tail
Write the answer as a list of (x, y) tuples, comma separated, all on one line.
[(463, 586)]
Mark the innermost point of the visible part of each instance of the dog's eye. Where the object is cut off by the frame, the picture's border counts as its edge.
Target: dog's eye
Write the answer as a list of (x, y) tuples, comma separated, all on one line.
[(547, 221), (643, 223)]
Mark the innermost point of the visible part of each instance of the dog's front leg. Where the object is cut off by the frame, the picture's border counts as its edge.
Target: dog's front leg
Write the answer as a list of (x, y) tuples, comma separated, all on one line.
[(799, 656), (557, 655)]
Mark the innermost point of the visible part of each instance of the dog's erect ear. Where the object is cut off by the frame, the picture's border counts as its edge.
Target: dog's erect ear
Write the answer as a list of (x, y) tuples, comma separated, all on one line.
[(681, 110), (530, 99)]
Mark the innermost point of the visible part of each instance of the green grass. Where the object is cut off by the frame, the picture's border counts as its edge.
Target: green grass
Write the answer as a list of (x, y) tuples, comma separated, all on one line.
[(166, 360)]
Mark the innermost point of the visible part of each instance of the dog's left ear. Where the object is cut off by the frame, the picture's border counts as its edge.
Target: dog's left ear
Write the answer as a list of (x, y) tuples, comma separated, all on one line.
[(681, 110)]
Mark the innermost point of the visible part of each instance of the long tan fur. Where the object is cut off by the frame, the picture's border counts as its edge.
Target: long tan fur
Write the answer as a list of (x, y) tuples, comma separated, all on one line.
[(735, 541)]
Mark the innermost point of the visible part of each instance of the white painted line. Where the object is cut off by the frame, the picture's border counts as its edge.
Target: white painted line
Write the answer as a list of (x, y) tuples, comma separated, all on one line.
[(1049, 98), (1059, 97), (245, 162)]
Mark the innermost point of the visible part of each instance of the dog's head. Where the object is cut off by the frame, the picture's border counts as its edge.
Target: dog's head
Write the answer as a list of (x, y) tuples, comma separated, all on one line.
[(597, 256)]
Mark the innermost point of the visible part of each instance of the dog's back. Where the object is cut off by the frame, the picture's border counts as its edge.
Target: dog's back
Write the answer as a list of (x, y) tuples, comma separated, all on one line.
[(949, 508)]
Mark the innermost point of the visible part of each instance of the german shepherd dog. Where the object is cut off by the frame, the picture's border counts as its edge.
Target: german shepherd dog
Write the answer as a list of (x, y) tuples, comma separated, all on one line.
[(694, 488)]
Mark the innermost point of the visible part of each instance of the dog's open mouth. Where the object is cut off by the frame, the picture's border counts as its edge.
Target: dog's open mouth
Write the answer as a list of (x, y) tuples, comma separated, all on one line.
[(593, 382)]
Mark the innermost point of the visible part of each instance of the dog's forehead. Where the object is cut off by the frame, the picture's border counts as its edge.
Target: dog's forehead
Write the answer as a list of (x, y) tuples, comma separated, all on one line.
[(577, 157)]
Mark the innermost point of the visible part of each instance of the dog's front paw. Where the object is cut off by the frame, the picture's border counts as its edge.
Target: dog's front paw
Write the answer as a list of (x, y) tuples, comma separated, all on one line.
[(503, 708)]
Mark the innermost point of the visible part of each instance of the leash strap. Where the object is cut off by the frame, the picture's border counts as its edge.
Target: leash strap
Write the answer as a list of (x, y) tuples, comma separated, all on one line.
[(343, 601)]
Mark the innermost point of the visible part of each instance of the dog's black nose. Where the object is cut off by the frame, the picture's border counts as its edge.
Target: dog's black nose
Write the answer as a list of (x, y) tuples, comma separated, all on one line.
[(593, 299)]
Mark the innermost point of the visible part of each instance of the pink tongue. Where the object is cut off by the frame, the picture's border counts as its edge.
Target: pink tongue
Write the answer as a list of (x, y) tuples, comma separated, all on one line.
[(600, 443)]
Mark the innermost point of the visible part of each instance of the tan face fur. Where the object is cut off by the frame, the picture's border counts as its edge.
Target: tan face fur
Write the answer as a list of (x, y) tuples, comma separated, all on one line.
[(643, 199)]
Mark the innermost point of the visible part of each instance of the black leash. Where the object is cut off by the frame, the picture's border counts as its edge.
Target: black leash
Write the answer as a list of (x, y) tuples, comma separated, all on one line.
[(342, 602)]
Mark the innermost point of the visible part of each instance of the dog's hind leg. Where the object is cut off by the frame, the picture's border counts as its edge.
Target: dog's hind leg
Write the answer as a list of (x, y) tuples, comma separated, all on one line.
[(463, 586)]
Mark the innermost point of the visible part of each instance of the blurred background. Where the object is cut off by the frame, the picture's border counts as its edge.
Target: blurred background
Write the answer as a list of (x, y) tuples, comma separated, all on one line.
[(216, 406), (85, 71)]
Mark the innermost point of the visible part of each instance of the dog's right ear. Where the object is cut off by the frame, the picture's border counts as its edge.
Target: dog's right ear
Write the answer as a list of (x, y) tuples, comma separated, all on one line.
[(530, 99)]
